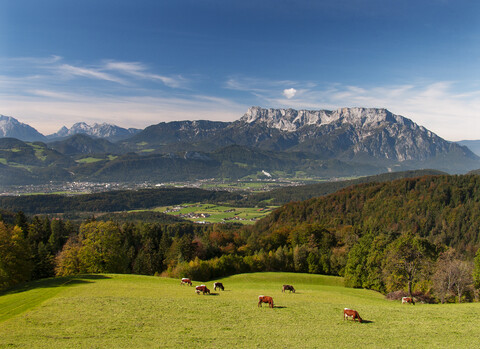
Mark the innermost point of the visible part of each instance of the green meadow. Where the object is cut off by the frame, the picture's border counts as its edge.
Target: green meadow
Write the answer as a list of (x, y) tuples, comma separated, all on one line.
[(130, 311), (218, 213)]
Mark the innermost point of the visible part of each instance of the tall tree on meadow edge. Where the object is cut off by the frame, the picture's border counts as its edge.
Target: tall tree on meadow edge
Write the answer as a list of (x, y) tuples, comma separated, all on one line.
[(68, 261), (15, 257), (102, 248), (444, 277), (406, 258), (356, 271), (463, 277), (98, 248)]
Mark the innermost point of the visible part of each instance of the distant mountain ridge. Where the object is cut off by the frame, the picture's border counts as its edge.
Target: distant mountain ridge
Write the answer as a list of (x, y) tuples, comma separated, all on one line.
[(285, 143), (363, 135), (473, 145), (108, 131), (12, 128)]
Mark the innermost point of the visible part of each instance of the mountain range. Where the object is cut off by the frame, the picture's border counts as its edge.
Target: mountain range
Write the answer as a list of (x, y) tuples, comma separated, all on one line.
[(12, 128), (284, 143)]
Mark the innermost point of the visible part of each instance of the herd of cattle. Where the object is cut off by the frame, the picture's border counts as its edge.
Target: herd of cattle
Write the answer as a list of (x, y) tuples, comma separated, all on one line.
[(347, 313)]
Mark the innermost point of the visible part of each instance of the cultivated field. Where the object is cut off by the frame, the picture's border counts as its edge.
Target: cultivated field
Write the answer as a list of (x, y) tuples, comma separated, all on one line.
[(210, 213), (125, 311)]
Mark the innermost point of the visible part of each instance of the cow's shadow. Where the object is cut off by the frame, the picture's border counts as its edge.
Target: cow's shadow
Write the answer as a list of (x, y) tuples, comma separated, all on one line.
[(214, 294), (363, 321), (279, 307)]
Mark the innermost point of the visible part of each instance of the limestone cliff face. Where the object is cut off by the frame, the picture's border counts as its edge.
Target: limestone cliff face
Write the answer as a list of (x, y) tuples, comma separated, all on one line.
[(349, 132)]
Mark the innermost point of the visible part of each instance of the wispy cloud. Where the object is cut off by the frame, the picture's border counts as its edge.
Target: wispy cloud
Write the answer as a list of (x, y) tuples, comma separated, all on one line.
[(47, 111), (139, 70), (70, 70), (56, 67)]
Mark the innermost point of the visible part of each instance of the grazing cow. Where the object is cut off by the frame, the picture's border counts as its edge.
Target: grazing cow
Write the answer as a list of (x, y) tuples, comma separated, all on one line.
[(202, 288), (351, 313), (408, 300), (265, 299), (219, 285), (186, 281), (288, 288)]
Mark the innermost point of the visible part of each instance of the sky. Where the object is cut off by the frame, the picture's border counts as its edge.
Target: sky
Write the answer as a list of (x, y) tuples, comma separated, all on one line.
[(138, 63)]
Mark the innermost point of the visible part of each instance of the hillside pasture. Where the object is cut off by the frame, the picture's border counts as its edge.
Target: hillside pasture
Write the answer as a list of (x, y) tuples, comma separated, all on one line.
[(125, 311)]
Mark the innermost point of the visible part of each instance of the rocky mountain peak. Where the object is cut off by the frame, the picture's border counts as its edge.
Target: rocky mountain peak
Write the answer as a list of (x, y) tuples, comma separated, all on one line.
[(11, 127), (291, 120), (103, 130)]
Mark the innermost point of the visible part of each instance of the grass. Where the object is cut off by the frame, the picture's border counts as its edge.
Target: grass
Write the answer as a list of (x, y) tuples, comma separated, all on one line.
[(219, 213), (88, 160), (125, 311)]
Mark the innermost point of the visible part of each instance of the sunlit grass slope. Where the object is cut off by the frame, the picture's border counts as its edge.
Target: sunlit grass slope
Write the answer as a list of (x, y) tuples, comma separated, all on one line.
[(126, 311)]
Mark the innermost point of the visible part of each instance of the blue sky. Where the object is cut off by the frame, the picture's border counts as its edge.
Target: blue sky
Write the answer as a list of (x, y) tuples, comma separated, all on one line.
[(137, 63)]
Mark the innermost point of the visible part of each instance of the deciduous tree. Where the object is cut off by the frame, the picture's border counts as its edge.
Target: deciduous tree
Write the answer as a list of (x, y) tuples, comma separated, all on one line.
[(15, 257), (405, 259)]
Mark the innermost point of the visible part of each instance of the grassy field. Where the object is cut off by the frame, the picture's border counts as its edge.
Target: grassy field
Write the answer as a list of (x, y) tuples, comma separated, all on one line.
[(217, 213), (125, 311)]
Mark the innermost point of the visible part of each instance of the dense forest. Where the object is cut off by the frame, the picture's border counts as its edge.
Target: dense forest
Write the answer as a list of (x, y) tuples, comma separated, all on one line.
[(285, 195), (416, 235)]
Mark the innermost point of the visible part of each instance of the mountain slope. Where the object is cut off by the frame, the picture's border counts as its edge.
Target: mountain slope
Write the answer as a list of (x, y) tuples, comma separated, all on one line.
[(31, 163), (12, 128), (473, 145), (82, 144), (441, 208)]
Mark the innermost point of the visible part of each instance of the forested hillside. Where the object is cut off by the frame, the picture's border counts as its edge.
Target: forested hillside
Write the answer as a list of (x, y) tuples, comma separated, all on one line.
[(445, 209), (285, 195), (415, 234)]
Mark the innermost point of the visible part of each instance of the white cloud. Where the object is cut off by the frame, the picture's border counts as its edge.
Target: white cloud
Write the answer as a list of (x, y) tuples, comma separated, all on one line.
[(70, 70), (289, 93), (139, 70)]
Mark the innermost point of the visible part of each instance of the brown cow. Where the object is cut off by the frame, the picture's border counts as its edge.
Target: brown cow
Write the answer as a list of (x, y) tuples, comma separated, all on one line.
[(265, 299), (218, 285), (351, 313), (288, 288), (408, 300), (186, 281), (202, 288)]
